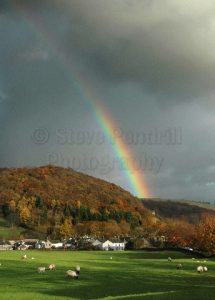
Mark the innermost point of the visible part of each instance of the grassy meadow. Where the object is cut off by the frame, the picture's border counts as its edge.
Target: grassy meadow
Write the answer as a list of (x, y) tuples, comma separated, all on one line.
[(128, 275)]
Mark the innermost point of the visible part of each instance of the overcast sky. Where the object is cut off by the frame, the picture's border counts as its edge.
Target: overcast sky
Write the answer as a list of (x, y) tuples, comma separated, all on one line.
[(151, 63)]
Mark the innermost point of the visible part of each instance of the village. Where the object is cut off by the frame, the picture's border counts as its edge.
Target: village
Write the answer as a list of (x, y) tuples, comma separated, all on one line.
[(84, 243)]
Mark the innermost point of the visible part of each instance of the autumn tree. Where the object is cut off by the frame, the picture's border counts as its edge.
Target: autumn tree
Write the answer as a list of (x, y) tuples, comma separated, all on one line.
[(179, 233), (24, 215), (66, 229), (12, 206), (39, 203), (124, 228), (11, 213), (111, 229), (205, 240)]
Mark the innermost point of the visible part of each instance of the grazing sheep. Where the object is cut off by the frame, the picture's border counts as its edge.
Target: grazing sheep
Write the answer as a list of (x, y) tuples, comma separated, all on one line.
[(200, 269), (41, 269), (51, 267), (205, 269), (71, 274), (24, 256), (77, 269), (179, 266), (169, 259), (193, 258)]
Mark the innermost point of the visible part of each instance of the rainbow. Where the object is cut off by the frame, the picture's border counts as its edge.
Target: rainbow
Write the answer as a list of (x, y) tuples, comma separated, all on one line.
[(135, 177)]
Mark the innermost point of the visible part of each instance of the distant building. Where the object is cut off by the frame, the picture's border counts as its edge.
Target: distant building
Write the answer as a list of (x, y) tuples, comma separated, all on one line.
[(40, 245), (57, 245), (48, 244), (5, 245), (97, 244), (22, 247), (30, 243), (115, 245)]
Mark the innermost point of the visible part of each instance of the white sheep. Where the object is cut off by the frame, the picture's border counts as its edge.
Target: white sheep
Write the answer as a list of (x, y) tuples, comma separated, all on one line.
[(41, 269), (200, 269), (51, 267), (179, 266), (205, 269), (169, 259), (77, 269), (72, 274)]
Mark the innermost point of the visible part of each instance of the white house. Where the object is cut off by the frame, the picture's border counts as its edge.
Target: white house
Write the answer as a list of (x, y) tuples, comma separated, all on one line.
[(118, 246), (108, 245), (48, 244), (57, 245)]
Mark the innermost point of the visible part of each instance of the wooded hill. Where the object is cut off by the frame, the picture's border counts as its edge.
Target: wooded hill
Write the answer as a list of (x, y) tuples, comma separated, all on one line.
[(190, 211), (57, 202)]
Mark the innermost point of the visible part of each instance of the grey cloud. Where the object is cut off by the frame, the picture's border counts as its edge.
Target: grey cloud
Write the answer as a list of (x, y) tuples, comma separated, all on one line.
[(165, 46), (3, 96), (6, 6)]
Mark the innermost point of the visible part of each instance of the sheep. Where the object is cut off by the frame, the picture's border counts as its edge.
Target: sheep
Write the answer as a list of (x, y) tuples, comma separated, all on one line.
[(24, 256), (200, 269), (32, 258), (72, 274), (51, 267), (179, 266), (193, 258), (41, 269), (111, 257), (77, 269), (169, 259)]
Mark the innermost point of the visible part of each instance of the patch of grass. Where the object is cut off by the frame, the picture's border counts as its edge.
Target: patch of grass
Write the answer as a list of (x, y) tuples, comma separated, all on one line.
[(8, 232), (3, 222), (128, 275)]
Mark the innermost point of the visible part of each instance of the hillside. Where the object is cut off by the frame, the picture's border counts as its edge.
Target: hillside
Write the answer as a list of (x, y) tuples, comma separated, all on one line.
[(191, 211), (59, 202)]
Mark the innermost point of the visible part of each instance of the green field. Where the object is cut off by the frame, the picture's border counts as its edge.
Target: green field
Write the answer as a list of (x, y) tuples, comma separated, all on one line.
[(128, 275)]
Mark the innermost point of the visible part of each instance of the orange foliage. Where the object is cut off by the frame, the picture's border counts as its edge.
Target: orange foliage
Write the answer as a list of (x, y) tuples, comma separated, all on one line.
[(206, 233), (179, 233)]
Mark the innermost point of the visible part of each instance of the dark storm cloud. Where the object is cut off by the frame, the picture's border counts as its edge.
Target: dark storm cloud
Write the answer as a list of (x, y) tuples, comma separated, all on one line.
[(165, 46), (6, 5)]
